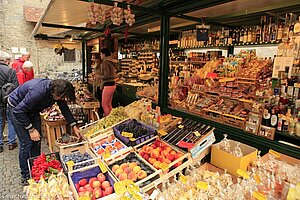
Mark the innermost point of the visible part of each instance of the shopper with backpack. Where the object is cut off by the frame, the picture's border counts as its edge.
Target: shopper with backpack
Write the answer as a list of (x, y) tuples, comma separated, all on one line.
[(8, 82)]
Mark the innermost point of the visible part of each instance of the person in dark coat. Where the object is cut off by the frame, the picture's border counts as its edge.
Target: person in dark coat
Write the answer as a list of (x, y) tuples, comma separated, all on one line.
[(7, 75), (24, 105)]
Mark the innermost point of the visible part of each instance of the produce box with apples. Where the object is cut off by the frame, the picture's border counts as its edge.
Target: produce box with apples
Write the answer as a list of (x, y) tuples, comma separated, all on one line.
[(161, 155), (76, 156), (134, 168), (132, 132), (108, 146), (90, 182)]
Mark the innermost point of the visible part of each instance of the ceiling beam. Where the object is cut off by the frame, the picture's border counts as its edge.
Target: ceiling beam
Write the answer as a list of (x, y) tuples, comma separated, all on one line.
[(193, 5), (71, 27), (124, 5), (208, 21)]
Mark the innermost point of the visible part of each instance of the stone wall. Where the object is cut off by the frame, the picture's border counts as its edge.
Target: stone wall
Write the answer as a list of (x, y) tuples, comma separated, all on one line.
[(15, 32)]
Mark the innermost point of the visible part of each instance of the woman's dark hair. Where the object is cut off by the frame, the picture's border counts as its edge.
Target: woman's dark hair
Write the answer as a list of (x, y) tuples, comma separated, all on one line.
[(63, 88), (105, 51)]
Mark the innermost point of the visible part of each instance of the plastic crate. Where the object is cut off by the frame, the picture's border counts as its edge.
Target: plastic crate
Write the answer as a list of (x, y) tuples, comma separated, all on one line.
[(30, 161), (126, 141)]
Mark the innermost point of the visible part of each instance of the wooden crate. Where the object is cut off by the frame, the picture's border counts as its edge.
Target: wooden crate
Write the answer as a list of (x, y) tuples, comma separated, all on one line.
[(157, 173), (108, 173), (213, 115), (184, 158), (54, 132), (101, 137), (235, 121), (89, 105), (81, 147)]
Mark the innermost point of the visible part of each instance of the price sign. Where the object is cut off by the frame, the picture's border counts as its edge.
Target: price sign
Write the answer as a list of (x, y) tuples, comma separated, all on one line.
[(102, 166), (259, 196), (84, 198), (127, 134), (162, 132), (196, 133), (274, 153), (243, 174), (137, 196), (181, 126), (183, 178), (125, 198), (202, 185), (128, 182), (70, 164), (120, 187), (164, 166)]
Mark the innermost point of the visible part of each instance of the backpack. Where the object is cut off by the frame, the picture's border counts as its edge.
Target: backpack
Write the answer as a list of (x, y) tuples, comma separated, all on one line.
[(7, 88)]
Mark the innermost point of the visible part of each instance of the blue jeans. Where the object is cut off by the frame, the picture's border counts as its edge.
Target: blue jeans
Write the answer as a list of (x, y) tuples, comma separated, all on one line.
[(11, 131), (28, 147)]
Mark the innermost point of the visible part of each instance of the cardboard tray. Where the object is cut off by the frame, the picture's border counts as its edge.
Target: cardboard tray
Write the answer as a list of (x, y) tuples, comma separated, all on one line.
[(89, 172), (81, 147), (127, 142)]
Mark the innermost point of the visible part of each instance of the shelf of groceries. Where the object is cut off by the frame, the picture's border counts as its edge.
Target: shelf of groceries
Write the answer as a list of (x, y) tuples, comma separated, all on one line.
[(138, 153)]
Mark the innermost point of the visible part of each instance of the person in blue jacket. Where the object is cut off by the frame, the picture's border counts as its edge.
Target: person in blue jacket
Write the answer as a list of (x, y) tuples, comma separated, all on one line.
[(24, 105)]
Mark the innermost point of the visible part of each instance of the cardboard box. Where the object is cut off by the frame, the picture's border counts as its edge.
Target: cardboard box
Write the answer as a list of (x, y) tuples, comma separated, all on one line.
[(230, 162)]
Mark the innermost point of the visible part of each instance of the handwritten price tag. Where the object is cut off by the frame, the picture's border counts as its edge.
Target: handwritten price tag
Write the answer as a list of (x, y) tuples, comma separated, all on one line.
[(202, 185), (70, 163), (84, 198), (102, 166), (183, 178), (274, 153), (127, 134), (164, 166), (132, 139), (125, 198), (137, 196), (242, 173), (120, 187), (259, 196), (128, 182)]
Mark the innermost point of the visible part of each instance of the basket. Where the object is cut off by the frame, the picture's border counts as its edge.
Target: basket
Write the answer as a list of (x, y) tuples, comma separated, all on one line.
[(127, 141)]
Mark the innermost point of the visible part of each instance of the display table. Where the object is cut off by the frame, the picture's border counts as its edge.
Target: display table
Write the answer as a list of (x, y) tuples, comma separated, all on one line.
[(54, 130)]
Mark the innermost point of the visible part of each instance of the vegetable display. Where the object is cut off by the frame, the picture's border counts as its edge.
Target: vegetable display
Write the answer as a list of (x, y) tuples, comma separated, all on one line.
[(44, 166)]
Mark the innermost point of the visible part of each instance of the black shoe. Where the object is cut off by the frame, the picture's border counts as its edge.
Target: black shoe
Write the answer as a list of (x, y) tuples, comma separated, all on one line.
[(24, 181), (12, 146), (1, 149)]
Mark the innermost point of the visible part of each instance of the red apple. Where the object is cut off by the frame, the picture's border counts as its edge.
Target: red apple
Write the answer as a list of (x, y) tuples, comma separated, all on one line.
[(142, 153), (89, 188), (97, 192), (82, 189), (96, 184), (146, 156), (83, 182), (77, 186), (171, 157), (109, 190), (105, 185), (101, 177), (104, 193), (92, 180)]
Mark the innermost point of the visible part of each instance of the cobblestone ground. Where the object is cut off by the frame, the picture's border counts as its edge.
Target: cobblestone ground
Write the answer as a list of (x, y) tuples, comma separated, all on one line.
[(10, 176)]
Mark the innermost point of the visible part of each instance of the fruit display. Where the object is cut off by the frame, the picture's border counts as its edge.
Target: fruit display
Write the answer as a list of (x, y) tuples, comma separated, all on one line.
[(92, 183), (109, 144), (61, 141), (78, 159), (52, 113), (132, 132), (44, 165), (133, 168), (159, 153), (117, 115), (57, 187)]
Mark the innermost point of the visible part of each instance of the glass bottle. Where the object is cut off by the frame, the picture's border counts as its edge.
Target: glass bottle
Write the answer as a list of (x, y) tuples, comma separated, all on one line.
[(274, 118), (279, 33), (245, 36), (297, 27), (249, 37), (233, 36), (257, 40), (242, 36), (237, 36)]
